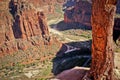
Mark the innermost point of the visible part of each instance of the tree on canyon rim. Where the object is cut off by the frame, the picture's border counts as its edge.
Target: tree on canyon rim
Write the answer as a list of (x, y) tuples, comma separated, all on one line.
[(102, 21)]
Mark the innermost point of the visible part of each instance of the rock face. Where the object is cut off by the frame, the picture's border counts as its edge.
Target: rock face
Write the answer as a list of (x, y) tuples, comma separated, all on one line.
[(80, 11), (6, 33), (22, 22), (27, 22), (76, 73), (48, 6), (77, 11), (45, 5), (22, 27)]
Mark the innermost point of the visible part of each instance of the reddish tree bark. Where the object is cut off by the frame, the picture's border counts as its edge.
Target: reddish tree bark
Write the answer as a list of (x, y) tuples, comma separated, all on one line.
[(102, 21)]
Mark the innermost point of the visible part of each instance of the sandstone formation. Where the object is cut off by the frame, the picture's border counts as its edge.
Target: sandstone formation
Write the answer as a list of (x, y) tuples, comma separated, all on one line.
[(6, 33), (23, 30), (76, 73), (48, 6), (77, 11), (80, 11), (22, 22), (43, 5)]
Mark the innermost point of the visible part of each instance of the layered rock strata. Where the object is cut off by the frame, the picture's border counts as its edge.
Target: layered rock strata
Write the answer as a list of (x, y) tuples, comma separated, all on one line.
[(24, 32)]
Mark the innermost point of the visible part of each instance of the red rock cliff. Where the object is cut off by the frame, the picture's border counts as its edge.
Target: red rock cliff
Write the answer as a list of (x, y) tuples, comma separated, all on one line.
[(23, 29), (27, 22), (80, 11), (48, 6), (24, 33), (77, 11), (6, 21)]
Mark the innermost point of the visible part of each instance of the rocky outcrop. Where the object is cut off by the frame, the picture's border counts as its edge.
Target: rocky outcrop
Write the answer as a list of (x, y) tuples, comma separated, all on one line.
[(76, 73), (23, 32), (77, 11), (80, 12), (43, 5), (48, 6), (6, 20), (27, 22), (22, 22)]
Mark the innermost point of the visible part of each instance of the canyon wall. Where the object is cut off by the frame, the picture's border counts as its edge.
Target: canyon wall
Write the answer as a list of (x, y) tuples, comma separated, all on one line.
[(77, 11), (48, 6), (24, 31), (80, 11)]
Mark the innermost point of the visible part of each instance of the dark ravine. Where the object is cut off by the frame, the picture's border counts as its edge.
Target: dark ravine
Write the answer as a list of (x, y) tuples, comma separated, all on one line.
[(70, 58), (116, 32)]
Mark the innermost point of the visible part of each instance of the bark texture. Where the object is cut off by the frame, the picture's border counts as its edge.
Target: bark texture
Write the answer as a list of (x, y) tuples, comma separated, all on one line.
[(102, 32)]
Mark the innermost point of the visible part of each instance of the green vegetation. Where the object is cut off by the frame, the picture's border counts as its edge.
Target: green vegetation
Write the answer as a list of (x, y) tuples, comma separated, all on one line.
[(36, 58), (57, 15), (76, 34), (41, 79)]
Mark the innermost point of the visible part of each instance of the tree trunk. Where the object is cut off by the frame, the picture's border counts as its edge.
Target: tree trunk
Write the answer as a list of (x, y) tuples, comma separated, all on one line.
[(103, 12)]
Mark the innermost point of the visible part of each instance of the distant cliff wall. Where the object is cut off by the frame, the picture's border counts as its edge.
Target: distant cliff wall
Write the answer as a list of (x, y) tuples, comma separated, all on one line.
[(77, 11), (80, 11)]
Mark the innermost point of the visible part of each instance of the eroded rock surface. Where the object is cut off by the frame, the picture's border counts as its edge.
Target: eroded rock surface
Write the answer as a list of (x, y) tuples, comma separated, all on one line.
[(79, 11), (23, 28)]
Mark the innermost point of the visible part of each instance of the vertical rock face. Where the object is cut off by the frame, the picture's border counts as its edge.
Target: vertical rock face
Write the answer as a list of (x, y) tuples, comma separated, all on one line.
[(83, 11), (27, 22), (6, 20), (20, 21), (43, 24), (80, 11), (48, 6), (24, 33), (45, 5), (77, 11)]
